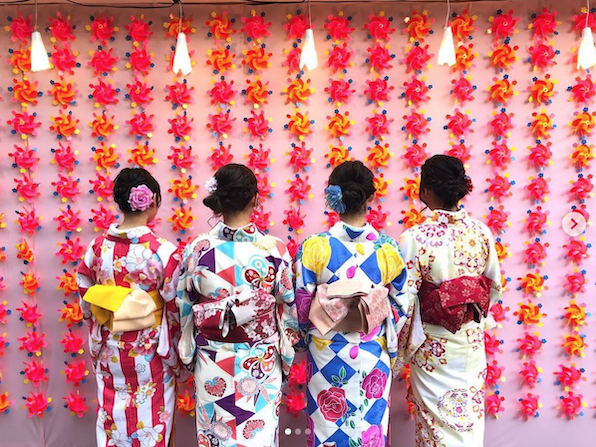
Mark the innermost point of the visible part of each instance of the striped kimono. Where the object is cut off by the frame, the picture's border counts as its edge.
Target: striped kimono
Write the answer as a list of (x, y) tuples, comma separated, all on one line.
[(454, 255), (239, 326), (349, 373), (135, 371)]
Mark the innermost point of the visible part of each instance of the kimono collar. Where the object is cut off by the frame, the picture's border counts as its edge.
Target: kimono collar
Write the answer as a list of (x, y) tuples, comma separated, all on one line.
[(448, 217), (348, 233), (248, 233), (131, 235)]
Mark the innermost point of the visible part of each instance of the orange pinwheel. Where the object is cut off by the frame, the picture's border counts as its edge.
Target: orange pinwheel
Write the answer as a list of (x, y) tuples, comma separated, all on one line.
[(533, 283), (63, 93), (530, 314), (182, 219), (65, 125), (337, 155), (183, 189), (221, 60), (581, 156), (298, 90), (541, 125), (575, 314), (464, 56), (502, 90), (379, 156), (339, 125), (105, 156), (381, 186), (299, 125), (221, 27), (418, 26), (25, 92), (411, 188), (503, 56), (257, 92), (412, 217), (584, 123), (541, 91), (142, 155), (575, 344)]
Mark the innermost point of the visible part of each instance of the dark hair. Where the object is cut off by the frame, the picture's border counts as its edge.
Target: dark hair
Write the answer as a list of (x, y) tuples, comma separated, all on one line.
[(357, 185), (127, 179), (446, 177), (236, 187)]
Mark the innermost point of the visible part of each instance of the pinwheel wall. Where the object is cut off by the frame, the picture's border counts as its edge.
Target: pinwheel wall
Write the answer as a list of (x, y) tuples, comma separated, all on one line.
[(514, 109)]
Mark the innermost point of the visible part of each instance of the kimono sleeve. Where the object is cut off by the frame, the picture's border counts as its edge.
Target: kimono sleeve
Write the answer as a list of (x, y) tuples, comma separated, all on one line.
[(493, 272), (170, 333), (411, 335), (184, 302), (287, 319)]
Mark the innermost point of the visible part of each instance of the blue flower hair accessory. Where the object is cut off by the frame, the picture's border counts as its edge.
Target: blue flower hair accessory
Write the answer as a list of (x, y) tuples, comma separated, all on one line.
[(333, 197)]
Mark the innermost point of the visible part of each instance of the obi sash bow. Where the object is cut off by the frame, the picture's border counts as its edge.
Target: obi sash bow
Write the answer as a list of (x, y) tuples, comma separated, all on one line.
[(349, 306), (455, 301), (122, 309), (224, 318)]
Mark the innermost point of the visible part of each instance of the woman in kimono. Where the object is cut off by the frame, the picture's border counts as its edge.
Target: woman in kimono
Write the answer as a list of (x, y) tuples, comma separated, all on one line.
[(351, 309), (135, 369), (454, 272), (238, 318)]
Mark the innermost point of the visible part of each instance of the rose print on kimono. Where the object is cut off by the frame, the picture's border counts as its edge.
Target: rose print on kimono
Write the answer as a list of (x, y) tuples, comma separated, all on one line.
[(102, 29), (541, 91), (35, 373), (417, 58), (462, 89), (182, 219), (24, 158), (221, 156), (337, 155), (340, 91), (65, 125), (339, 58), (25, 92), (140, 59), (374, 384), (503, 56), (23, 124), (221, 59), (464, 57), (26, 188), (20, 59), (542, 56), (378, 156), (65, 60), (255, 26), (577, 251), (418, 26), (20, 28), (541, 125), (63, 93), (416, 91), (583, 91), (416, 124), (373, 437), (571, 405), (379, 58), (117, 438), (298, 91), (103, 62), (104, 93), (139, 93), (378, 27), (502, 90), (102, 187), (503, 24), (29, 222), (415, 155), (332, 404), (299, 125), (338, 27)]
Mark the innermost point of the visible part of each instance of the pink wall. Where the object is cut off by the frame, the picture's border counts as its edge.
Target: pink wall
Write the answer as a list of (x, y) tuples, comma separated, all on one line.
[(59, 428)]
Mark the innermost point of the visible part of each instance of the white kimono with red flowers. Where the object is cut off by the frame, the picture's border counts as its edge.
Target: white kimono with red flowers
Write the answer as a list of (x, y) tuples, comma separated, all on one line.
[(448, 371), (135, 371)]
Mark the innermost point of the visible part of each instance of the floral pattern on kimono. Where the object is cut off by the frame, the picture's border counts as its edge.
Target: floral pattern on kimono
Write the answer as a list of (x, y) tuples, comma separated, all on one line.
[(135, 370), (349, 374), (238, 383), (448, 393)]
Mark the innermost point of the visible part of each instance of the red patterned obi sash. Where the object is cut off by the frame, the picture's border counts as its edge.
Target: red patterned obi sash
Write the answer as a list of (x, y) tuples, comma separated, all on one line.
[(248, 316), (455, 302)]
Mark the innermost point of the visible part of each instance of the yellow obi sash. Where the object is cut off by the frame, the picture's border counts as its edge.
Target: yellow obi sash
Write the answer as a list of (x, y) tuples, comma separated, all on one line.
[(122, 309)]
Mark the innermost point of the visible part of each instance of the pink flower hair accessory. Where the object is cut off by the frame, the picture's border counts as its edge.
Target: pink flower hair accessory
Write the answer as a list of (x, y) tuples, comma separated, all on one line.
[(140, 198)]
